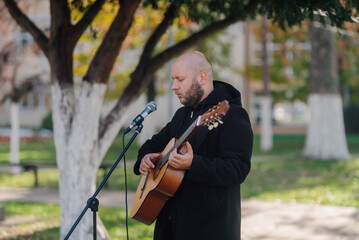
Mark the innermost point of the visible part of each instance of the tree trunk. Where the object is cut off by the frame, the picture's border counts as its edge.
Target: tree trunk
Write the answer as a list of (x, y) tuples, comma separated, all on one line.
[(14, 138), (266, 102), (266, 124), (76, 124), (325, 135), (247, 62)]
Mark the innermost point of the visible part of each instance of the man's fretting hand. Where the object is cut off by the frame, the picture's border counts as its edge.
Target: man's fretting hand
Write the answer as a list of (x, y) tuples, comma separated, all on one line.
[(181, 160)]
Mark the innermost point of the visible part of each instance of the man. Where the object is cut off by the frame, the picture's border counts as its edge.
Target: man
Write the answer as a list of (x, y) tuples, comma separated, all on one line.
[(207, 203)]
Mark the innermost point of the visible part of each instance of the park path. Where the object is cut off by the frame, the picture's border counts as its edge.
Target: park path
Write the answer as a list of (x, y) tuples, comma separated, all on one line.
[(261, 220)]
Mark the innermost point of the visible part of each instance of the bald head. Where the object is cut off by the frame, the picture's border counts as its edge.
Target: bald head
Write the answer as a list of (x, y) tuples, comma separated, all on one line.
[(196, 62)]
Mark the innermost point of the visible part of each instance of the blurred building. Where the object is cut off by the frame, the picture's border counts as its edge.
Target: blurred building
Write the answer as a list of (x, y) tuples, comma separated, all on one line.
[(26, 63)]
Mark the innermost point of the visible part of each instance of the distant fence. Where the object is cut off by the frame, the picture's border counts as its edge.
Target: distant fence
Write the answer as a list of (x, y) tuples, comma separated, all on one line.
[(283, 129)]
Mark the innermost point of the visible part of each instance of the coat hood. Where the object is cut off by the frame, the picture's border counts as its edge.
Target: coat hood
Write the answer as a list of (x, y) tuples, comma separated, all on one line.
[(222, 91), (226, 91)]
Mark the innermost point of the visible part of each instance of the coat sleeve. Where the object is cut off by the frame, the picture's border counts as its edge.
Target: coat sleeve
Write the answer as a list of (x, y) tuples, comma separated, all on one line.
[(232, 164)]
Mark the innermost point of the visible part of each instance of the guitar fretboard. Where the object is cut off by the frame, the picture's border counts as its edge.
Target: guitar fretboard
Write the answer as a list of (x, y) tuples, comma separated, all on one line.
[(190, 130)]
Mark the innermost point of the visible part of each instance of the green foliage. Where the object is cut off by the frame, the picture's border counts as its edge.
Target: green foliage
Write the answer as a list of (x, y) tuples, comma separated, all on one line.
[(117, 84), (218, 50), (277, 74), (288, 13), (348, 59), (208, 11), (253, 72), (289, 62), (285, 13), (47, 122), (293, 42), (81, 5), (351, 118)]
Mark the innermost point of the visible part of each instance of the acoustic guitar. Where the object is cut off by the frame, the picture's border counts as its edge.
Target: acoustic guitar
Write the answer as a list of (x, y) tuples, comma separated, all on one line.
[(163, 181)]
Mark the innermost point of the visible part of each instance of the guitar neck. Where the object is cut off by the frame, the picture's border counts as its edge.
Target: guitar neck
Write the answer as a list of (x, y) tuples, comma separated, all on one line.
[(184, 137)]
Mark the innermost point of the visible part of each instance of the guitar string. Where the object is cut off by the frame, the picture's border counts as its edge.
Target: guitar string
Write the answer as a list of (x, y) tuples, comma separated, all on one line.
[(183, 137), (193, 125), (179, 142)]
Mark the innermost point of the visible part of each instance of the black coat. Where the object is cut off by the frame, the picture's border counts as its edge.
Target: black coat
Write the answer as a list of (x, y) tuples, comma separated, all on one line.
[(207, 204)]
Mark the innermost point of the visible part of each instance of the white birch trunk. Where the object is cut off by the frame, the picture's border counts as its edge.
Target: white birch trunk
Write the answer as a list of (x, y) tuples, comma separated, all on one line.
[(266, 124), (14, 138), (326, 134), (76, 124)]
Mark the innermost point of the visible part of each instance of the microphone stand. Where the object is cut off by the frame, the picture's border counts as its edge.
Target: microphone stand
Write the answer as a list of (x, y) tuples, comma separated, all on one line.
[(93, 202)]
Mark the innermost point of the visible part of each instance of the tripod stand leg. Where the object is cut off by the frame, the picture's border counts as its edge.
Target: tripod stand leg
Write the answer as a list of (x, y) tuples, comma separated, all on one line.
[(93, 205)]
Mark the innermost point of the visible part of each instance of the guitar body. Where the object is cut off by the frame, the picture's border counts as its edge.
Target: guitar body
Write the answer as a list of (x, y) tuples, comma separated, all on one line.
[(160, 185)]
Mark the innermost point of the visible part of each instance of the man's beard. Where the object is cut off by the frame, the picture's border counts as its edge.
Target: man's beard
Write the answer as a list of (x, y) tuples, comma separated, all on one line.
[(193, 95)]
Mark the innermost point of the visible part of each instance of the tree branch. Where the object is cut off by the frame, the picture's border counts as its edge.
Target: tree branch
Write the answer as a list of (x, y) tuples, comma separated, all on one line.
[(60, 15), (86, 19), (28, 25), (194, 39), (101, 65), (24, 88), (167, 21), (199, 36)]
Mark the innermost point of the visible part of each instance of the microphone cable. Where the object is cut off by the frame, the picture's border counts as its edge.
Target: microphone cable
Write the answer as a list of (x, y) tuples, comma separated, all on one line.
[(124, 170)]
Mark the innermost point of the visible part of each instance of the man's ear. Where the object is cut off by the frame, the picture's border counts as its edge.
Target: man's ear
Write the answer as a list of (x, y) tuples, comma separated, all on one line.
[(203, 78)]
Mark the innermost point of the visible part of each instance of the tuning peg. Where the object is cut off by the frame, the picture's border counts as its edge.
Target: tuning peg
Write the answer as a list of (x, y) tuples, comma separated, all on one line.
[(219, 120), (215, 124), (210, 127)]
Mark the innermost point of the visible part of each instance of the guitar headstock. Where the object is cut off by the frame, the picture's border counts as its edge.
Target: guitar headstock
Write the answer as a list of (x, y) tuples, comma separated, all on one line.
[(212, 118)]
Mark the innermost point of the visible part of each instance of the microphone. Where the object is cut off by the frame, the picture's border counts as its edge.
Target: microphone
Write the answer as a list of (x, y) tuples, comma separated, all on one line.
[(151, 107)]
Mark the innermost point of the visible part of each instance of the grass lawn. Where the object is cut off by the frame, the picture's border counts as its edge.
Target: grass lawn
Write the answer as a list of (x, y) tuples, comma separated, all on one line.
[(292, 179), (281, 174), (294, 144), (44, 222), (44, 151)]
